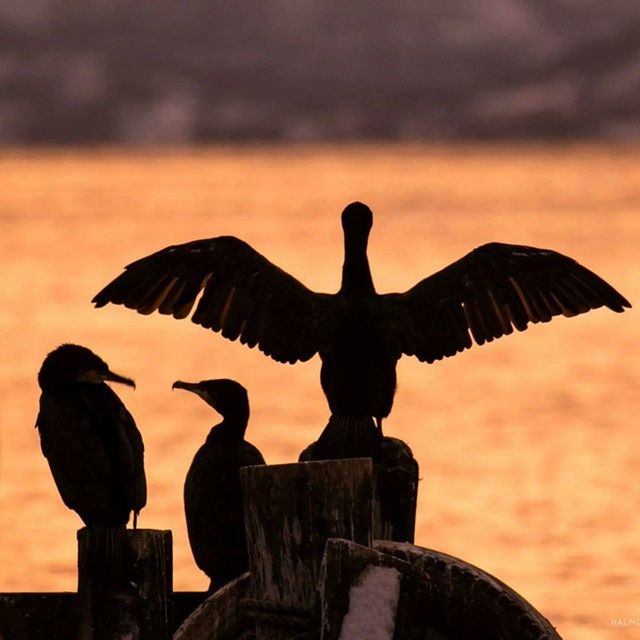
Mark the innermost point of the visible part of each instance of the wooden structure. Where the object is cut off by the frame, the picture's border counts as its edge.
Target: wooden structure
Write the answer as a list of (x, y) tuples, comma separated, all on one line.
[(297, 508), (314, 574), (136, 606)]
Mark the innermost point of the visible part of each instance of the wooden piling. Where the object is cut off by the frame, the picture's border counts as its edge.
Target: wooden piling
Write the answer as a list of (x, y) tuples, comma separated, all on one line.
[(290, 512), (396, 492), (132, 606), (395, 472)]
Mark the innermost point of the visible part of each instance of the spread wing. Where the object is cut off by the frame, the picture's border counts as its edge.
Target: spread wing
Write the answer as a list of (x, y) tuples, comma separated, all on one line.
[(244, 295), (487, 293)]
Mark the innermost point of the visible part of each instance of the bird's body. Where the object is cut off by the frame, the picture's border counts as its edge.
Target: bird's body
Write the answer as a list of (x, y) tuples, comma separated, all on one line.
[(358, 373), (212, 492), (90, 440), (358, 333)]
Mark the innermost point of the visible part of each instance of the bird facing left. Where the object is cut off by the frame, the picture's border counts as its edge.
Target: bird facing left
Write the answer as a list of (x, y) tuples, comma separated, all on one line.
[(91, 442)]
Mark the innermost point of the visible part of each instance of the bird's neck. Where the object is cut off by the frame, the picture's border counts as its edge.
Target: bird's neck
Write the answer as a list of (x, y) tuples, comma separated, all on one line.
[(231, 429), (356, 275)]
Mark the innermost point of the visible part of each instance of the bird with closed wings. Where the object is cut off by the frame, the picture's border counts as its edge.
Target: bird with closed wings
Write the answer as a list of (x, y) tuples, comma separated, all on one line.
[(93, 447)]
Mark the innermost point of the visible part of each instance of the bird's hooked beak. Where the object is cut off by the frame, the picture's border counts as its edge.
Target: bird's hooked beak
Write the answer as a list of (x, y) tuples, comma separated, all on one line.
[(106, 376), (187, 386), (194, 387), (110, 376)]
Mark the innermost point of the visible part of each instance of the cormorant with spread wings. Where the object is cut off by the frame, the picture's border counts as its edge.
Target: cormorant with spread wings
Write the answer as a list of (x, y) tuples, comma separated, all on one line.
[(358, 333)]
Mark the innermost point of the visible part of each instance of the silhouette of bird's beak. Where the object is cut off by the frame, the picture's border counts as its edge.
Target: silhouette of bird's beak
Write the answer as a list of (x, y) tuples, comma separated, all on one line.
[(110, 376), (187, 386)]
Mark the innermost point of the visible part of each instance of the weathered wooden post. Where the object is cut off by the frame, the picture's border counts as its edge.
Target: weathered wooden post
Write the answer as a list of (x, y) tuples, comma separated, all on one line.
[(136, 606), (395, 472), (290, 512), (395, 498)]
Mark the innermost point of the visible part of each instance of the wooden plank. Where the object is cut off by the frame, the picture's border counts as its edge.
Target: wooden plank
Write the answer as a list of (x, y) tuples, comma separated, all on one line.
[(51, 616), (37, 616), (290, 512)]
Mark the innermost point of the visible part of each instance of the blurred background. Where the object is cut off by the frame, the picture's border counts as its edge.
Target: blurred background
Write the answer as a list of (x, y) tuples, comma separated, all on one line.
[(128, 127), (121, 72)]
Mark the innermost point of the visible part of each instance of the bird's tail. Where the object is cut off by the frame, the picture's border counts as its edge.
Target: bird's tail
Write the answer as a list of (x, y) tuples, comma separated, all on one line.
[(109, 555), (346, 437)]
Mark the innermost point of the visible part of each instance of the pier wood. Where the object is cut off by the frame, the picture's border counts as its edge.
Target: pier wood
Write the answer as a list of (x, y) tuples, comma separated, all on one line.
[(221, 616), (136, 606), (401, 592), (290, 512), (366, 594), (396, 475)]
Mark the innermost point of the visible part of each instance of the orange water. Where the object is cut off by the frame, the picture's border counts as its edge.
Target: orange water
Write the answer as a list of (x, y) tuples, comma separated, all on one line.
[(529, 447)]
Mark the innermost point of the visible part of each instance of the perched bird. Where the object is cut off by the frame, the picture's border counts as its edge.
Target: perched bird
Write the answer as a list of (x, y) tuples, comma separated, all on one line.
[(358, 333), (91, 442), (212, 493)]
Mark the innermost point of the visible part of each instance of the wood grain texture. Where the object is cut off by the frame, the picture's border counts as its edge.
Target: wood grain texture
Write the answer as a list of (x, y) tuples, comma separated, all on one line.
[(135, 606), (290, 512)]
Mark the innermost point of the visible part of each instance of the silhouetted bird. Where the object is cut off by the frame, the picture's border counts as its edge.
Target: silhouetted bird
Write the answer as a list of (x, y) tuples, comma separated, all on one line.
[(359, 334), (91, 442), (212, 493)]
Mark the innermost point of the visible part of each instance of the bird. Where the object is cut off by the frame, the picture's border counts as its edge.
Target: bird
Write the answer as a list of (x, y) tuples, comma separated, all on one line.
[(358, 333), (212, 493), (91, 442)]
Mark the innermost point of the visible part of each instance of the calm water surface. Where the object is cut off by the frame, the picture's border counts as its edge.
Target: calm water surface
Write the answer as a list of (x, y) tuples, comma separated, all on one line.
[(529, 447)]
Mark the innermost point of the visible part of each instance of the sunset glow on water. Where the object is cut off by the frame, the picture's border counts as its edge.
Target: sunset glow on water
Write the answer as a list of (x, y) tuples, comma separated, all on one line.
[(528, 448)]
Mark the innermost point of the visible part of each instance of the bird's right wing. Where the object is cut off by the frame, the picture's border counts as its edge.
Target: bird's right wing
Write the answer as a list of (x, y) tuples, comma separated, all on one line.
[(128, 447), (487, 293), (244, 295)]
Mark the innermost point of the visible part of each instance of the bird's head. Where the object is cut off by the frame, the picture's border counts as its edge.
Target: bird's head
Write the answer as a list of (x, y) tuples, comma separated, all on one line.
[(357, 218), (72, 363), (227, 397)]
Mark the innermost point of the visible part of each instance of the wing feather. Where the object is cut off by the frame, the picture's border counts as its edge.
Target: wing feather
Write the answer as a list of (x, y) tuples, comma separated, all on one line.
[(489, 292), (244, 296)]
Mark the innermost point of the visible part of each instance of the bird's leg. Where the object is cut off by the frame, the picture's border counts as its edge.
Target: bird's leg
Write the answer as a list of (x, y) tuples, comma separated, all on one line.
[(378, 420), (135, 520)]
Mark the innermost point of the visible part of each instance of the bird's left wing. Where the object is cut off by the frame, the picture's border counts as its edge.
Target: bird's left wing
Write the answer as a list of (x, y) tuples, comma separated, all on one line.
[(79, 461), (244, 295), (486, 294)]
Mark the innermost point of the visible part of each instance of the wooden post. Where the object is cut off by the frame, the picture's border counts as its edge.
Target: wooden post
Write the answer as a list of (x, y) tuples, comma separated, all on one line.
[(395, 472), (135, 606), (396, 492), (290, 512)]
